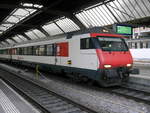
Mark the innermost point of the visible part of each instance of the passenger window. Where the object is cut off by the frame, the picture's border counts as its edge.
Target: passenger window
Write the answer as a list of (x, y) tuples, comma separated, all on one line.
[(17, 51), (86, 43), (30, 50), (20, 51), (36, 50), (42, 50), (50, 50), (25, 51)]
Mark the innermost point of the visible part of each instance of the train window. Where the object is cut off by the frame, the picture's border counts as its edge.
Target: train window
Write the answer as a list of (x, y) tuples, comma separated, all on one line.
[(25, 51), (36, 50), (30, 50), (17, 51), (20, 51), (86, 43), (112, 44), (129, 44), (2, 51), (7, 51), (50, 50), (14, 51), (41, 50)]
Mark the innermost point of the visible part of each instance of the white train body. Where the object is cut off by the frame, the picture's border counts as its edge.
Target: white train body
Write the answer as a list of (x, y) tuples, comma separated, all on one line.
[(77, 56), (94, 63)]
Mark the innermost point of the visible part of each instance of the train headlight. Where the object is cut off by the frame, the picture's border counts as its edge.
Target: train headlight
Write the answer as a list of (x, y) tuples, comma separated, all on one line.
[(129, 65), (107, 66)]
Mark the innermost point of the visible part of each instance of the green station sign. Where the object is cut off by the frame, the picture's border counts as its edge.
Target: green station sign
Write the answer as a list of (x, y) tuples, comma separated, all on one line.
[(125, 30)]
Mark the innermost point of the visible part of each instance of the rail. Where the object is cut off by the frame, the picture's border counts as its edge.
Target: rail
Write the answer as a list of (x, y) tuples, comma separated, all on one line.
[(46, 100)]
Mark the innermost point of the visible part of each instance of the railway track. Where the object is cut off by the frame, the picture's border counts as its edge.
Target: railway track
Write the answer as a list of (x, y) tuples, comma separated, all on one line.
[(133, 93), (125, 91), (47, 101)]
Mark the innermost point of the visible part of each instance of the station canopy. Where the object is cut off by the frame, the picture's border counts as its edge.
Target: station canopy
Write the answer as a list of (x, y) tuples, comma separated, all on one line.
[(29, 20)]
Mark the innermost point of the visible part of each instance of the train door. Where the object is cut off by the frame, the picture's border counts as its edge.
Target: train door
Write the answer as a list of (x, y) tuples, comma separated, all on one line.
[(61, 53), (57, 52), (9, 53)]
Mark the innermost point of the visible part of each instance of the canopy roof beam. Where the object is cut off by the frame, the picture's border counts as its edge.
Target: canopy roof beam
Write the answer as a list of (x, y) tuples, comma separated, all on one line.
[(68, 15), (28, 38), (8, 6), (6, 42), (112, 13), (13, 40), (43, 31)]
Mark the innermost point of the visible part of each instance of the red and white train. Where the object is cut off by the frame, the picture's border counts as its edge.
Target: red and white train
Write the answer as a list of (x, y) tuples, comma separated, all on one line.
[(103, 57)]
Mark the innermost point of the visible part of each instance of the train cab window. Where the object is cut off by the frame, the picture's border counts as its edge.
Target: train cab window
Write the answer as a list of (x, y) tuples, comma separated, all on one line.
[(50, 50), (86, 43), (112, 44), (41, 50), (129, 44)]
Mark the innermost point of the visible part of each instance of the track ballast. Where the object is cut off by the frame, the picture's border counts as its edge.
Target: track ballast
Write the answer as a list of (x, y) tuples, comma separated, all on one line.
[(46, 100)]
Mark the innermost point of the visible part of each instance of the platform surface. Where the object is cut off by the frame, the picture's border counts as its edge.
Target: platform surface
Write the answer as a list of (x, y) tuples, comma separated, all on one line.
[(11, 102)]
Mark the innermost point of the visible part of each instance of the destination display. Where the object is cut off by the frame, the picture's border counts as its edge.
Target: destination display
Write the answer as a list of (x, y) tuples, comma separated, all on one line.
[(123, 29)]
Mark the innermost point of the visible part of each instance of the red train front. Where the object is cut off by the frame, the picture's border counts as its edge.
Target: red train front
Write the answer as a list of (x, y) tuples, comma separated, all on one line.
[(115, 60)]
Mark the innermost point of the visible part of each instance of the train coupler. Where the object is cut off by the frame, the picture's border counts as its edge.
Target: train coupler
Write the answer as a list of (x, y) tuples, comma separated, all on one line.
[(134, 71)]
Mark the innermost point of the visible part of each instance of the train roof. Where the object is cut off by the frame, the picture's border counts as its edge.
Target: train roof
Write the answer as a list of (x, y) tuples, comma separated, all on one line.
[(92, 31)]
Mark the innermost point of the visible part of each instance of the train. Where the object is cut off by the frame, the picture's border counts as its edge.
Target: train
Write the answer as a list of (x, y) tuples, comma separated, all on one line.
[(97, 55)]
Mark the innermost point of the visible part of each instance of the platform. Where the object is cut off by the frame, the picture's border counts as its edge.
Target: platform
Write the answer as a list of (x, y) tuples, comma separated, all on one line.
[(11, 102)]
